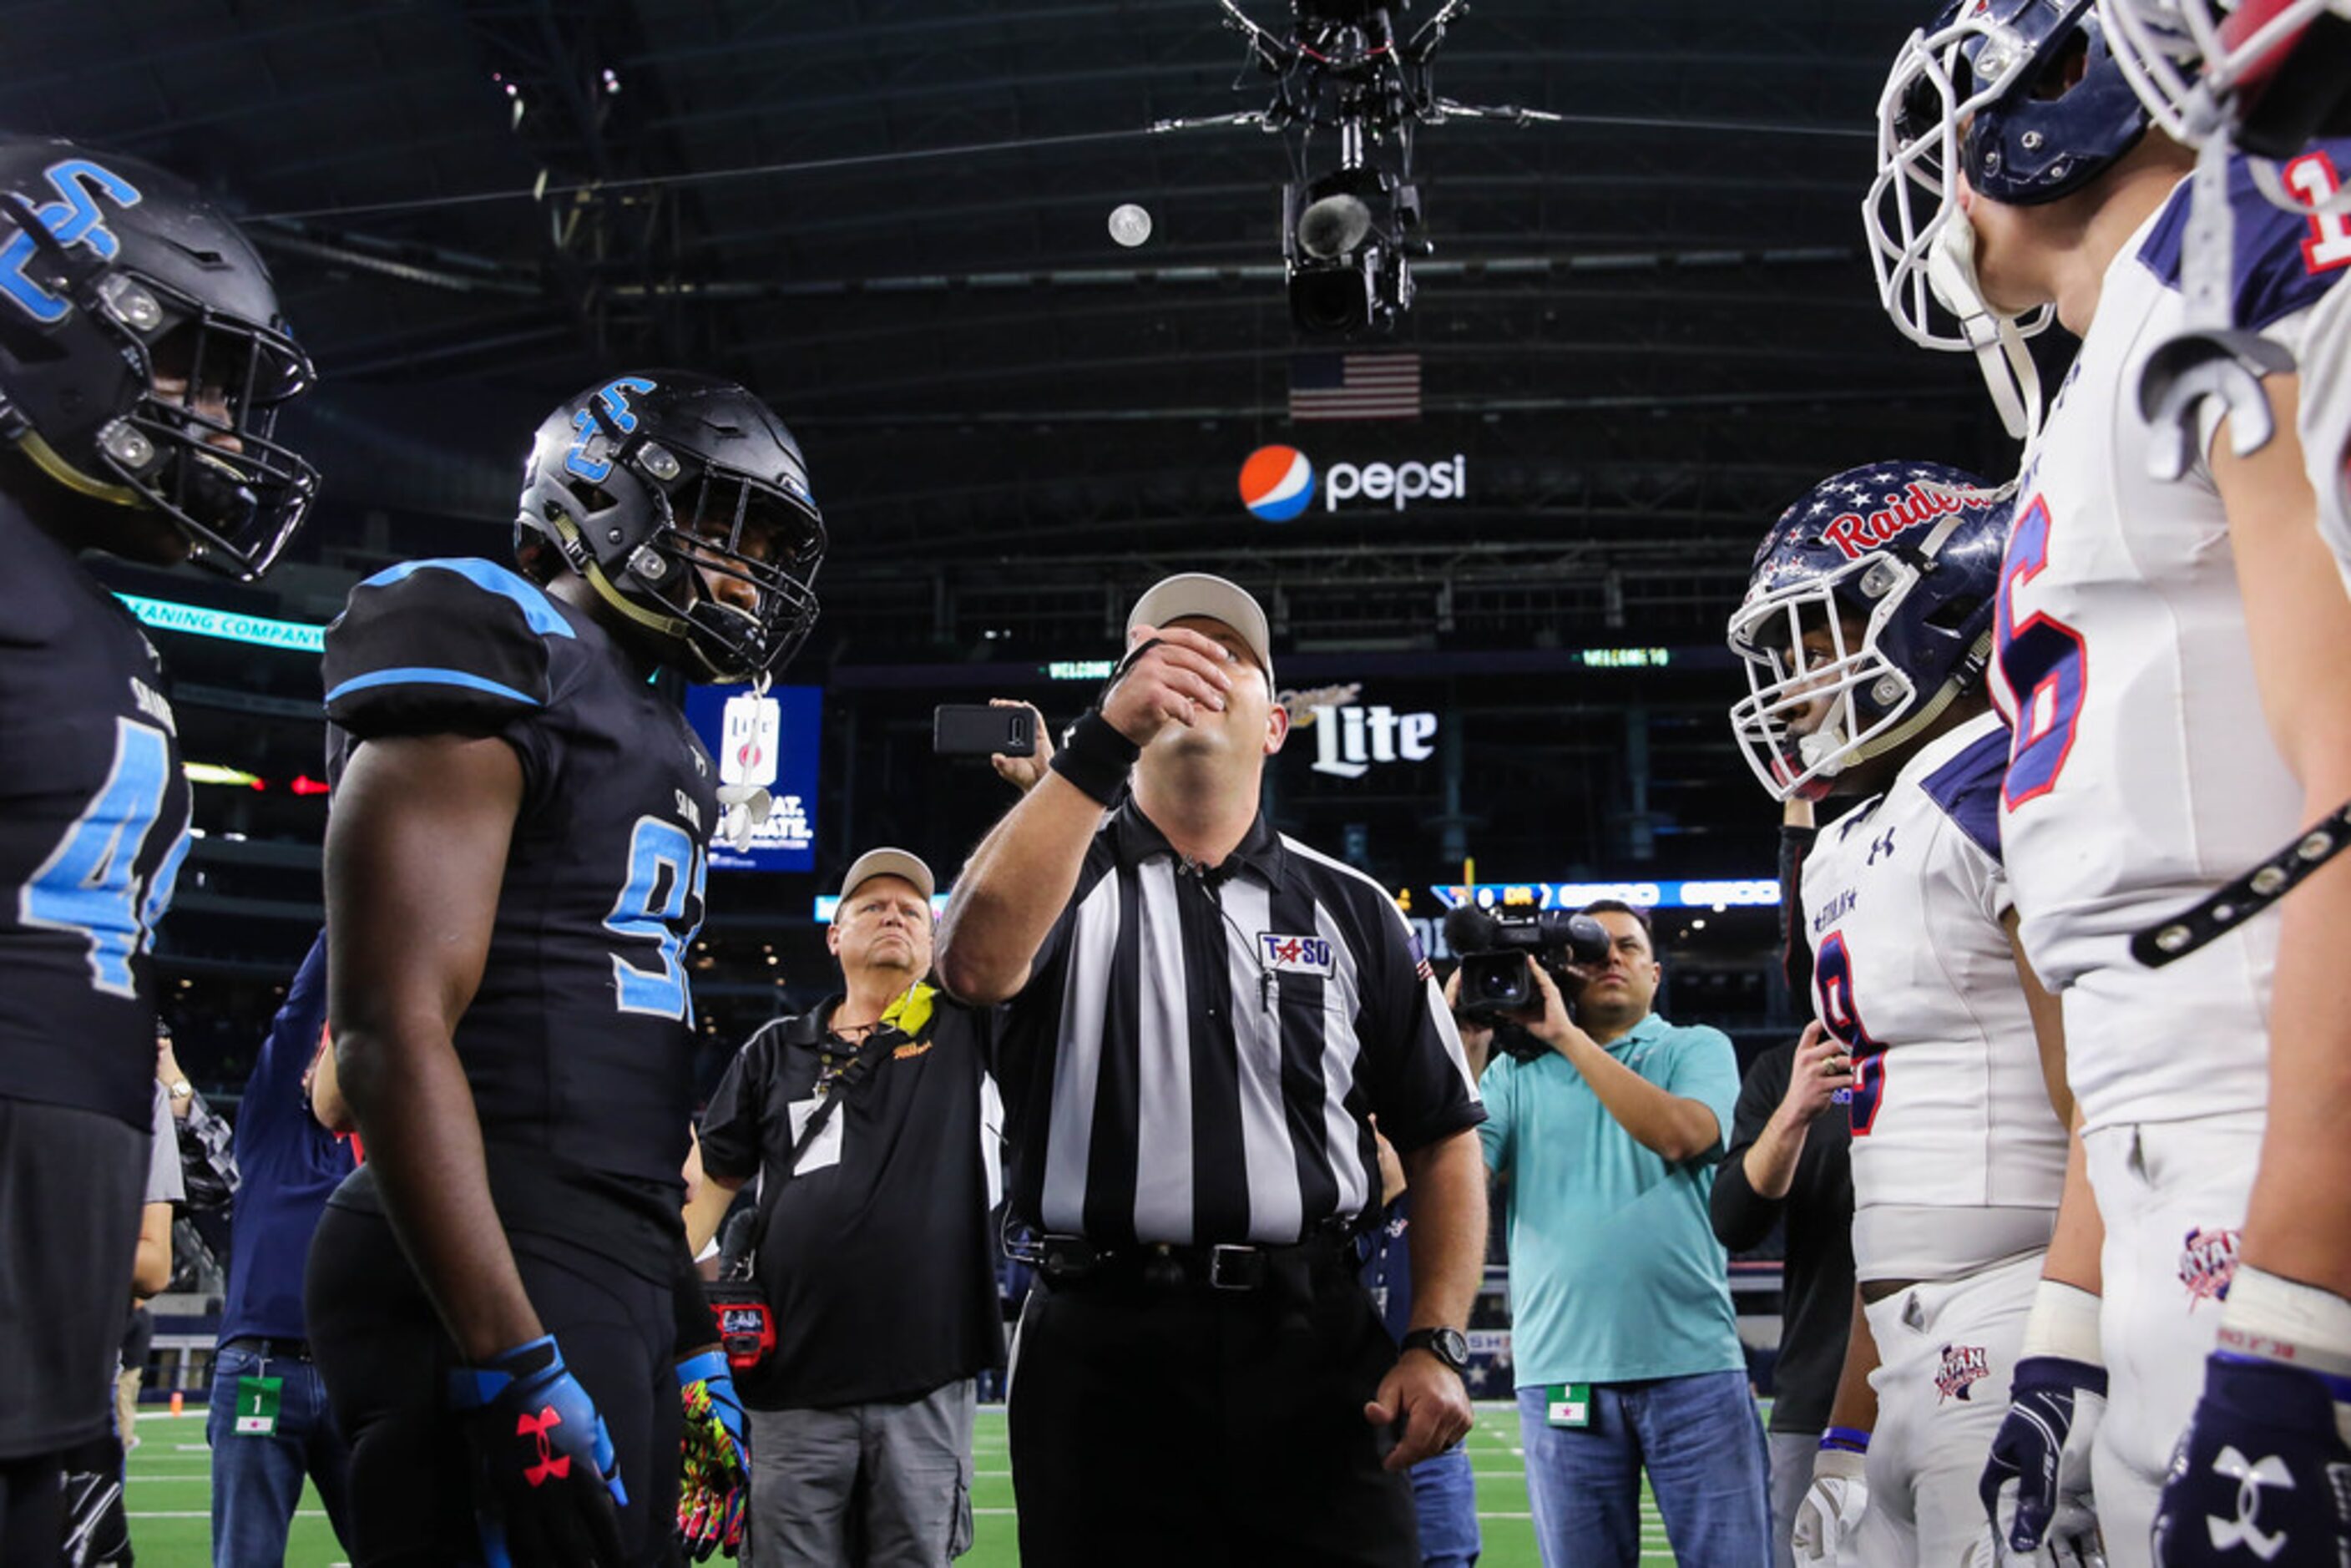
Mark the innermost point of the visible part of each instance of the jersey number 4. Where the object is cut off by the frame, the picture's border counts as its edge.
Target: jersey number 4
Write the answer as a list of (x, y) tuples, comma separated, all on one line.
[(89, 884), (1832, 978), (665, 869)]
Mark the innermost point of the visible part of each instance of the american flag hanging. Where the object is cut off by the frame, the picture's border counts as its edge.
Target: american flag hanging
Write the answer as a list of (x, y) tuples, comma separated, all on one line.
[(1353, 386)]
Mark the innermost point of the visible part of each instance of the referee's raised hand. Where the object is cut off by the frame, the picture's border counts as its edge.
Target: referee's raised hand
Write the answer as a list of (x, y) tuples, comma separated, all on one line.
[(1185, 676)]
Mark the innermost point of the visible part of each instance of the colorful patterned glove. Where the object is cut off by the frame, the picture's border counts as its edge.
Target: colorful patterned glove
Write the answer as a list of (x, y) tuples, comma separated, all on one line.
[(716, 1485)]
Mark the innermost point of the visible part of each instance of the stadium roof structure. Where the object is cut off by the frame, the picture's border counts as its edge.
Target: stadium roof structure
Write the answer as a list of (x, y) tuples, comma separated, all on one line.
[(1646, 326)]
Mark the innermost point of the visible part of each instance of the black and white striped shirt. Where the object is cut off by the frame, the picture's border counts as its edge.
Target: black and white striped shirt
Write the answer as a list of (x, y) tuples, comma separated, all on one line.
[(1195, 1053)]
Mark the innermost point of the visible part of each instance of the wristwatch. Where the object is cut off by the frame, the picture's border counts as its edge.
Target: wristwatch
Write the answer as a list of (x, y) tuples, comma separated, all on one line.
[(1448, 1345), (180, 1089)]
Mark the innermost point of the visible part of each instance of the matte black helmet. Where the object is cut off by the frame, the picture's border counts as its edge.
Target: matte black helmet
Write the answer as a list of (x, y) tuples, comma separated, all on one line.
[(115, 277), (685, 501)]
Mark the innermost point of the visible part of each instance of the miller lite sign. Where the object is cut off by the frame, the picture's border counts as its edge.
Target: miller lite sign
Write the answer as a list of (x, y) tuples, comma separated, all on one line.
[(1348, 740)]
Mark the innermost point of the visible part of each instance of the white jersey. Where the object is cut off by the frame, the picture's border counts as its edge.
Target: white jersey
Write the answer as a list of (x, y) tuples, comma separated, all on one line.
[(2325, 424), (1958, 1159), (2142, 775)]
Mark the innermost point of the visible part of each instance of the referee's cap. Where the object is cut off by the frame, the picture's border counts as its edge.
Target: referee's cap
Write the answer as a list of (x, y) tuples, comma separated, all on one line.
[(888, 862), (1201, 593)]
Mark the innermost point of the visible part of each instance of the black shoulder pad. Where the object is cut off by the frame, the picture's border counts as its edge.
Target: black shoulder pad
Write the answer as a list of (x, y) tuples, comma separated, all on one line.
[(442, 646)]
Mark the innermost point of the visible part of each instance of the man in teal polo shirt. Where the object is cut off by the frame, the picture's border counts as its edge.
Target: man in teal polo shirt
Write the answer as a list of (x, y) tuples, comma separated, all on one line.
[(1622, 1333)]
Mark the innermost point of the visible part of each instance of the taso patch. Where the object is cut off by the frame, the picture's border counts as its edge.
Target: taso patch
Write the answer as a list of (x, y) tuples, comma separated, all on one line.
[(1295, 954), (1964, 1365), (2207, 1262)]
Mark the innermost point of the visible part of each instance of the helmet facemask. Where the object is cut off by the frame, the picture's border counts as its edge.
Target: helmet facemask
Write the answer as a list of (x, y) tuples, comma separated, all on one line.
[(1804, 721), (734, 564), (1921, 244)]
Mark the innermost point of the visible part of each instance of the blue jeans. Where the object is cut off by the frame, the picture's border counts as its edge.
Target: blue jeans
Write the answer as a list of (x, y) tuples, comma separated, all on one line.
[(258, 1480), (1702, 1441), (1445, 1496)]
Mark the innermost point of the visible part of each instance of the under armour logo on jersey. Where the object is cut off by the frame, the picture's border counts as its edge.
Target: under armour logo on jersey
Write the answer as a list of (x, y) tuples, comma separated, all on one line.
[(550, 1464), (2244, 1530), (1881, 845), (72, 219)]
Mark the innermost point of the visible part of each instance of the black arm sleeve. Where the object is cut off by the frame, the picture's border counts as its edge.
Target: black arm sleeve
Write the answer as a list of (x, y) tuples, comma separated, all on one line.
[(1743, 1217), (1795, 949)]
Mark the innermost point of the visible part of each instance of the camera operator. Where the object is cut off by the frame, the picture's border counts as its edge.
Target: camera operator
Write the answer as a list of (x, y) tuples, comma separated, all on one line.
[(1625, 1342)]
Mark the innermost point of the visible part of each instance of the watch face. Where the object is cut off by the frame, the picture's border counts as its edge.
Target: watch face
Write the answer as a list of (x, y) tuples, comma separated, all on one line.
[(1452, 1346)]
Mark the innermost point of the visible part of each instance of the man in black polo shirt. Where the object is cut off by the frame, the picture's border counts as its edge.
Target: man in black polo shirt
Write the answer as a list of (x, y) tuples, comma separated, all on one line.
[(874, 1255), (1204, 1016)]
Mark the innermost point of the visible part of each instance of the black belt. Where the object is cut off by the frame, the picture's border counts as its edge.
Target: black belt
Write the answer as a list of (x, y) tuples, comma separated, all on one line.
[(273, 1349), (1064, 1261)]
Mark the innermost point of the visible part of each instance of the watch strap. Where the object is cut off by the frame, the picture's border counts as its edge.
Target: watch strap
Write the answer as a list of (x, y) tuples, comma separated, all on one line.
[(1439, 1342)]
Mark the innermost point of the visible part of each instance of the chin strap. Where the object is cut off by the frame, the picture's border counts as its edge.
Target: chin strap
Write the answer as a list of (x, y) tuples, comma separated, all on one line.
[(47, 459), (2009, 372)]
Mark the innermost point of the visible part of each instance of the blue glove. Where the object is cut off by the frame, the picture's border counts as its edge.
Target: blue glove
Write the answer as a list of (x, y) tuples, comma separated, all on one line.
[(2036, 1485), (716, 1457), (2263, 1475), (547, 1487)]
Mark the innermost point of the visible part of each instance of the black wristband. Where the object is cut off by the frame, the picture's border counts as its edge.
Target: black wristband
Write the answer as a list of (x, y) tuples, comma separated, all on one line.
[(1094, 756)]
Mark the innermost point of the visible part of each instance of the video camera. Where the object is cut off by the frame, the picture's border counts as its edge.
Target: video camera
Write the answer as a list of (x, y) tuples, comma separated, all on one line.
[(1494, 947)]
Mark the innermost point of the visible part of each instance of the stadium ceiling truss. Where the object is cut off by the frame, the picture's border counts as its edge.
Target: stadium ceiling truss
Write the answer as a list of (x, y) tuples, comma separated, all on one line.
[(1647, 327)]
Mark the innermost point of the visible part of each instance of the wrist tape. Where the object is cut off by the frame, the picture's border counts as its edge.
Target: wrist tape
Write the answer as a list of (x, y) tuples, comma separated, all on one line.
[(2299, 1325), (1095, 758), (2064, 1323)]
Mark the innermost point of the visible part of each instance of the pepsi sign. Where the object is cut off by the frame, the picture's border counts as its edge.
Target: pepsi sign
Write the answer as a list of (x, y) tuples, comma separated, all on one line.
[(1278, 482)]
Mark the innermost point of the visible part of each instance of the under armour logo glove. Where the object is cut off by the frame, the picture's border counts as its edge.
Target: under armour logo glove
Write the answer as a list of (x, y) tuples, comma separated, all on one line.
[(716, 1456), (1833, 1507), (2036, 1485), (546, 1488), (2263, 1475)]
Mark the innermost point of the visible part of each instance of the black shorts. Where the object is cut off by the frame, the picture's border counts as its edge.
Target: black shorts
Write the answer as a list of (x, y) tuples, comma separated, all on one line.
[(71, 1185), (385, 1358)]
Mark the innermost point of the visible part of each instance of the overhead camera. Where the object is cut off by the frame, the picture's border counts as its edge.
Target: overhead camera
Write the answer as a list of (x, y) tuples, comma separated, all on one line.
[(1494, 948), (1341, 74), (1344, 243)]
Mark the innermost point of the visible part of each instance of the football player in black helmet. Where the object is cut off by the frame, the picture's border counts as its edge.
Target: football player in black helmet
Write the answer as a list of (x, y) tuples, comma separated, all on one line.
[(514, 864), (142, 361), (684, 503)]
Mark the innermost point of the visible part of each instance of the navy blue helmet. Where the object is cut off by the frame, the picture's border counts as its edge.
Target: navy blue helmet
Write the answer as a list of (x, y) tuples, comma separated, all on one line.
[(2025, 97), (1869, 610), (683, 500), (144, 358)]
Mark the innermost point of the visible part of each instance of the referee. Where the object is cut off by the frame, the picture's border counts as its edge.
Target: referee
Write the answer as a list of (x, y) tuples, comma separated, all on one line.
[(1204, 1016)]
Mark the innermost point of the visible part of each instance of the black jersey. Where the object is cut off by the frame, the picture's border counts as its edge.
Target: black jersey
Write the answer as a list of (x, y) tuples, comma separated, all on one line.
[(93, 827), (577, 1043)]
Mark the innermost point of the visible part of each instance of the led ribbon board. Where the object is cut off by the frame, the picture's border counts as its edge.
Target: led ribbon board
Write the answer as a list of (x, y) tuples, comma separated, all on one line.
[(229, 625), (1737, 893)]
